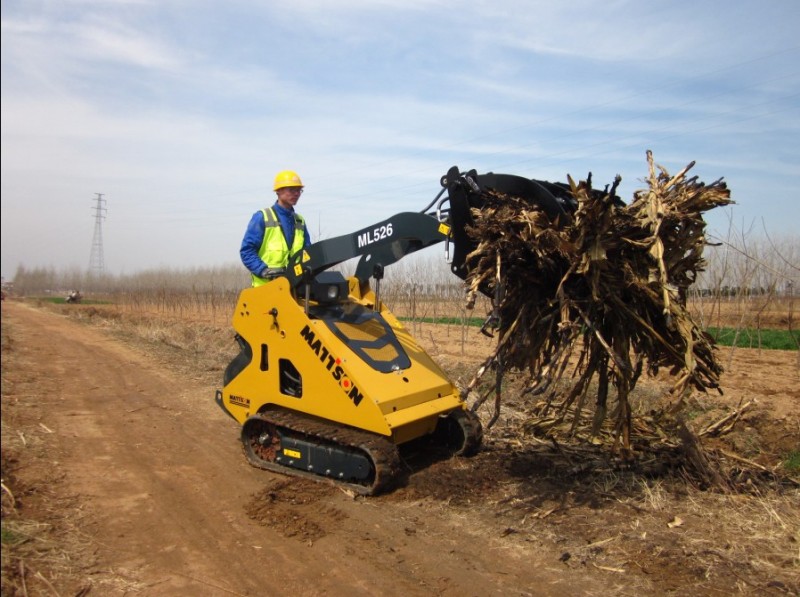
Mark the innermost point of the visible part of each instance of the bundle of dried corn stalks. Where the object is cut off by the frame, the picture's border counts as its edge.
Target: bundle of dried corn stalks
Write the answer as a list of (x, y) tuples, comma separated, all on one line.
[(602, 290)]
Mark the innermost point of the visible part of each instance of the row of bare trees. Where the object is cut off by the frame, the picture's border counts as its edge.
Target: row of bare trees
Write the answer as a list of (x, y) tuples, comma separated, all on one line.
[(751, 277)]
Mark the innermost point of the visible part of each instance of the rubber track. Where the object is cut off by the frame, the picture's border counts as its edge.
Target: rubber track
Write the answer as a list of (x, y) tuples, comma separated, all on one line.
[(382, 453)]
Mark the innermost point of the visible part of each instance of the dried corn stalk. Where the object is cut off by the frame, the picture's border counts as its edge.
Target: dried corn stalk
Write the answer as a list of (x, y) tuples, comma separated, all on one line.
[(607, 287)]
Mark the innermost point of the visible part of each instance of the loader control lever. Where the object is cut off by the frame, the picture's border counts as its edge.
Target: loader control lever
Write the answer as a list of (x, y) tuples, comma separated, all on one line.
[(377, 274), (306, 279)]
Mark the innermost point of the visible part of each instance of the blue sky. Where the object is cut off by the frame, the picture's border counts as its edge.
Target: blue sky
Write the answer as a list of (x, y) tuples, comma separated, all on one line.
[(180, 112)]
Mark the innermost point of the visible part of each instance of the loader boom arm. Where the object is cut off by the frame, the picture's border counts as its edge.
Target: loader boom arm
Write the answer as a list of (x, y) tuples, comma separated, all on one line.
[(378, 246)]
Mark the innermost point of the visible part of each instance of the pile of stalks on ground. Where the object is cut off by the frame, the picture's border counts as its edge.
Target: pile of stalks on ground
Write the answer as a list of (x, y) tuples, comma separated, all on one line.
[(593, 299)]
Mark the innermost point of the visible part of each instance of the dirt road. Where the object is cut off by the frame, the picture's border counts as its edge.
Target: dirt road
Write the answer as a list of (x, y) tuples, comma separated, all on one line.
[(144, 488), (171, 508)]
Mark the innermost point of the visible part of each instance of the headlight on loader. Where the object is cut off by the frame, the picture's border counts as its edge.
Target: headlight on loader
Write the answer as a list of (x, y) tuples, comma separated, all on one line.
[(328, 288)]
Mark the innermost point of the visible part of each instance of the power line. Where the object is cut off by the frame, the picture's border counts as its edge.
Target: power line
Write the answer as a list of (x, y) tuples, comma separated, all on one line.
[(96, 259)]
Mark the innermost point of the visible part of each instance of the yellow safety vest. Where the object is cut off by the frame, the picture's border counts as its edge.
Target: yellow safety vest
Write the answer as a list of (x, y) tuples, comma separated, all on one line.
[(274, 251)]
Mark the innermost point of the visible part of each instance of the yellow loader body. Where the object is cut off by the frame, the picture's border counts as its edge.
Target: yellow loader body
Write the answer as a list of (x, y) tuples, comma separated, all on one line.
[(347, 364)]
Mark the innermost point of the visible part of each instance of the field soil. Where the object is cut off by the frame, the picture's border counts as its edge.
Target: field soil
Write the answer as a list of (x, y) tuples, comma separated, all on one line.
[(122, 477)]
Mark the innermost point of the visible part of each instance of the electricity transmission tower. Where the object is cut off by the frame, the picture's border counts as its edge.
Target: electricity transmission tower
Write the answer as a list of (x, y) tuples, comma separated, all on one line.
[(96, 260)]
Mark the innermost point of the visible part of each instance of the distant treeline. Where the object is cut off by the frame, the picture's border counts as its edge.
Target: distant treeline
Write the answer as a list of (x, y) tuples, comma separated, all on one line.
[(736, 267)]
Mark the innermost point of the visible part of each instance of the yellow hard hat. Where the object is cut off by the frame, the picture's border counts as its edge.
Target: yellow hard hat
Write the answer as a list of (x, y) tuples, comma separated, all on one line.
[(287, 178)]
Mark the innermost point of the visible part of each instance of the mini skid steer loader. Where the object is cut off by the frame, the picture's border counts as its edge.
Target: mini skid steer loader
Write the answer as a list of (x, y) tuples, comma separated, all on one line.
[(328, 383)]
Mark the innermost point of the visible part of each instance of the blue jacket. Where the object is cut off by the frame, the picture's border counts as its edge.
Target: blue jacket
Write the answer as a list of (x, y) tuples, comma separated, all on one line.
[(254, 236)]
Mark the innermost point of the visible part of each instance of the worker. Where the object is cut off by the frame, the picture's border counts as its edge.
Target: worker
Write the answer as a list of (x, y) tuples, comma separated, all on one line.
[(275, 233)]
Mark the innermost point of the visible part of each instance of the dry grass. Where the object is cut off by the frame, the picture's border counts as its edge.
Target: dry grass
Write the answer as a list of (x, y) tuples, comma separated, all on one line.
[(754, 313), (45, 543), (724, 543), (764, 532)]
